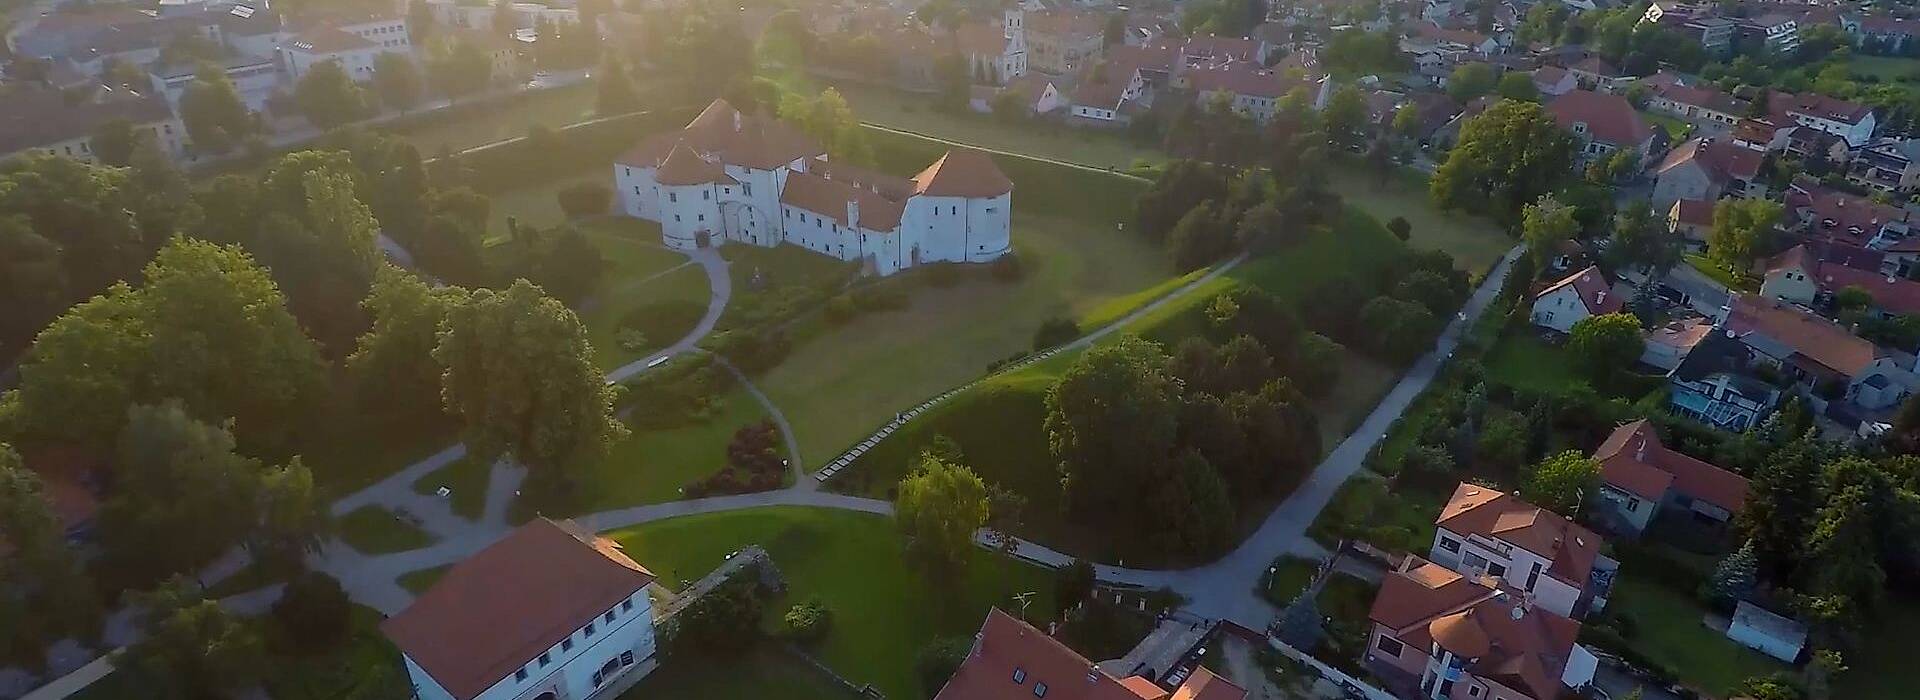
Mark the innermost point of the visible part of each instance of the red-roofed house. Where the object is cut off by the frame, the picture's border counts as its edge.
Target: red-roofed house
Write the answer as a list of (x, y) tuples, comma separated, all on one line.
[(1817, 352), (1594, 73), (1669, 94), (1823, 214), (1848, 120), (1483, 531), (1707, 169), (1800, 275), (1692, 219), (1579, 295), (1602, 123), (1640, 477), (1438, 634), (1554, 81), (551, 611), (1011, 660)]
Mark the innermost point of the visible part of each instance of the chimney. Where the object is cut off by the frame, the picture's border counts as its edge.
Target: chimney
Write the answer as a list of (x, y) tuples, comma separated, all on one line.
[(1640, 455), (853, 213), (736, 121), (1600, 297)]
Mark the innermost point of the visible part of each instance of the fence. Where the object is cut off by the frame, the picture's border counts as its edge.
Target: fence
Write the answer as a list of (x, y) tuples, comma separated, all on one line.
[(1348, 683), (865, 690)]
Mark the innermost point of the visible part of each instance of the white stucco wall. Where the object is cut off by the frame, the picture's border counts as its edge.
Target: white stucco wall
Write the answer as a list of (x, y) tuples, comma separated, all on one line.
[(1559, 310)]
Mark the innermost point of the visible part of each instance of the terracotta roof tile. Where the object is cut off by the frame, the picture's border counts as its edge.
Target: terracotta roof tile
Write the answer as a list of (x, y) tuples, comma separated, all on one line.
[(1478, 510), (1507, 640), (1594, 290), (1634, 459), (962, 172), (1809, 336), (1697, 212), (682, 167), (1609, 118), (1007, 648), (502, 607), (829, 198)]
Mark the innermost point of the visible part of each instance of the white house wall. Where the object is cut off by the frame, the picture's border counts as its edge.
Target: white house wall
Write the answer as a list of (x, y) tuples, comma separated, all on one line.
[(572, 670)]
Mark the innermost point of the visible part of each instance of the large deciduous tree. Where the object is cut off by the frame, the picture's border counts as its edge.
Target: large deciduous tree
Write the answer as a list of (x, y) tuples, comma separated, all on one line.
[(1545, 225), (1112, 421), (194, 648), (44, 592), (520, 375), (1606, 344), (330, 99), (215, 117), (937, 510), (458, 68), (1559, 482), (1741, 230), (181, 496), (617, 94), (393, 367), (1507, 156), (397, 81)]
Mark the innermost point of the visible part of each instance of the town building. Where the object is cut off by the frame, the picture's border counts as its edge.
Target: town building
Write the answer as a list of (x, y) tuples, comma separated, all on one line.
[(1601, 124), (1840, 374), (1692, 219), (1594, 73), (1703, 106), (1848, 120), (1763, 631), (729, 177), (1819, 213), (1887, 165), (1885, 35), (1641, 479), (995, 53), (1554, 81), (1010, 660), (50, 122), (1440, 635), (549, 612), (1715, 382), (1667, 344), (1555, 562), (1706, 170), (1583, 294), (1062, 42)]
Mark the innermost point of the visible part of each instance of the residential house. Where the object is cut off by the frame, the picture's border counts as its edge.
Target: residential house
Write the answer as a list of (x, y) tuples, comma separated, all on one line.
[(1831, 365), (1641, 478), (1554, 561), (1881, 34), (1602, 123), (1061, 42), (1699, 105), (49, 122), (1887, 165), (1692, 219), (255, 77), (1800, 276), (1696, 22), (1566, 302), (1707, 169), (1104, 88), (1438, 635), (354, 54), (1554, 81), (1250, 90), (1762, 134), (551, 611), (1453, 43), (1848, 120), (1594, 73), (1037, 94), (1010, 660), (1716, 383), (1844, 220)]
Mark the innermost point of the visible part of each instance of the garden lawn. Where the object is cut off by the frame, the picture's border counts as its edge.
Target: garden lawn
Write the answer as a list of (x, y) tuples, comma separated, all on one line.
[(1883, 666), (1523, 361), (466, 478), (762, 673), (650, 466), (1290, 576), (1719, 273), (1474, 242), (883, 613), (845, 381), (913, 112), (1885, 68), (640, 273), (539, 205), (375, 530), (1668, 628), (1677, 130), (1364, 508)]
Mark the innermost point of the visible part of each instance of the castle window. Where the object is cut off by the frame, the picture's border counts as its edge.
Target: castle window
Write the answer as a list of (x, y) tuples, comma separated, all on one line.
[(609, 617), (673, 197), (706, 194)]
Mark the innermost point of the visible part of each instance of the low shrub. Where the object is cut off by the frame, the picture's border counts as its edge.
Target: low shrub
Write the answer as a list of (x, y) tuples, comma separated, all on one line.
[(585, 199), (1058, 330), (840, 309), (880, 297), (807, 622), (753, 464)]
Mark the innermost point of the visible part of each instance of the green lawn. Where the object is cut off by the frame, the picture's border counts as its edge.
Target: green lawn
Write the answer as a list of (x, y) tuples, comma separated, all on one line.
[(1719, 273), (1106, 631), (375, 530), (477, 125), (1290, 576), (1883, 666), (883, 612), (1668, 628), (762, 673), (467, 479), (1677, 130), (539, 204), (842, 383), (1885, 68), (651, 465), (1365, 509), (417, 582), (910, 112), (1523, 361), (1474, 241)]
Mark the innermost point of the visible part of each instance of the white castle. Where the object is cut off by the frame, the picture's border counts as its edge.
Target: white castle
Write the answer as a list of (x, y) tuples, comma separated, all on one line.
[(751, 179)]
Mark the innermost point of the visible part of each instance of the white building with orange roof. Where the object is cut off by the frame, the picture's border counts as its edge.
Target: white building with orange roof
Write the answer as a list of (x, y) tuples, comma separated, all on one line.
[(729, 177), (1574, 298), (1553, 561), (1439, 635)]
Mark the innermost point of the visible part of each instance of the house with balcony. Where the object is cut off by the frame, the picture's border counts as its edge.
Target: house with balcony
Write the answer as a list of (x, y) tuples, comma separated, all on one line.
[(1848, 120), (1715, 382), (551, 612), (1641, 479), (1832, 367), (1440, 635), (1555, 562), (1887, 165), (1777, 33)]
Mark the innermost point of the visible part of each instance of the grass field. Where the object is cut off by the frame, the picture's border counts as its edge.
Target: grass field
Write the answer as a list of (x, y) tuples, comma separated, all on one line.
[(1365, 509), (650, 466), (883, 613), (910, 112), (762, 673), (1884, 68), (1668, 628), (1523, 361), (479, 125), (1474, 242), (375, 530), (417, 582), (1719, 273), (1290, 576), (840, 384), (467, 479)]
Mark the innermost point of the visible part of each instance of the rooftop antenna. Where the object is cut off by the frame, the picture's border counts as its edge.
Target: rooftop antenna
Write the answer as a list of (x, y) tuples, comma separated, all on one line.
[(1025, 600)]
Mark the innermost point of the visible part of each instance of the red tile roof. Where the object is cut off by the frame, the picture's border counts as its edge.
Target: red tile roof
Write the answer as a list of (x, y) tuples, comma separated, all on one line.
[(1506, 640), (1633, 459), (725, 134), (1478, 510), (981, 38), (1609, 118), (1007, 648), (683, 168), (1837, 215), (1722, 161), (1813, 104), (1697, 212), (962, 172), (1816, 339), (1241, 79), (502, 607), (829, 198), (1594, 290), (1596, 66)]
